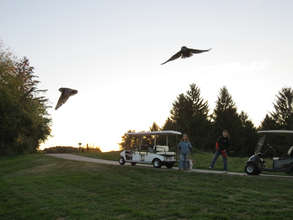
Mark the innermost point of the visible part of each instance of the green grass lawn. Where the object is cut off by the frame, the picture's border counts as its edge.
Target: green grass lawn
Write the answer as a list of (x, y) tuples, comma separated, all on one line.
[(40, 187)]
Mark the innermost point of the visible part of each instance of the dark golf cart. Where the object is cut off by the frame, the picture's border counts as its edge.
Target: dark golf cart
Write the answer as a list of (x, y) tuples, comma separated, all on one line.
[(275, 144)]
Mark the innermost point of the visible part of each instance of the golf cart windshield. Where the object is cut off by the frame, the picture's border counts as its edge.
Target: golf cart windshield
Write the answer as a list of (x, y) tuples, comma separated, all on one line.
[(260, 144)]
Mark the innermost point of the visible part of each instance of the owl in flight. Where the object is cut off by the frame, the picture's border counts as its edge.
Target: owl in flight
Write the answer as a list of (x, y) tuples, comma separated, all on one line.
[(65, 94), (185, 52)]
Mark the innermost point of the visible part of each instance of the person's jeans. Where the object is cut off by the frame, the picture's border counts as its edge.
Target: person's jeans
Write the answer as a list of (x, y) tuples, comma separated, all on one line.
[(224, 156), (183, 161)]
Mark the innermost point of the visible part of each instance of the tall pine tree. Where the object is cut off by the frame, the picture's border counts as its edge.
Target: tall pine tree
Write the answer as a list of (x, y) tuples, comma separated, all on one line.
[(282, 116), (181, 113), (225, 115), (169, 125), (268, 123), (190, 115), (248, 135), (241, 129)]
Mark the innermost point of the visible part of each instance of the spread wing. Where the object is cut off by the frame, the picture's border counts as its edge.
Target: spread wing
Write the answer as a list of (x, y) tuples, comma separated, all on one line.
[(199, 51), (62, 99), (65, 94), (174, 57)]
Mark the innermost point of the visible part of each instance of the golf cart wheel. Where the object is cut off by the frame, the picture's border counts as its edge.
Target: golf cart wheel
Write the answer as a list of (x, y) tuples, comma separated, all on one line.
[(157, 163), (121, 161), (251, 169), (133, 164), (169, 165)]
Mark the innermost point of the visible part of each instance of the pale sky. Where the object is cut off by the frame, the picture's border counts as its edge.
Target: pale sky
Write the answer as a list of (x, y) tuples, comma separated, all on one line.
[(110, 51)]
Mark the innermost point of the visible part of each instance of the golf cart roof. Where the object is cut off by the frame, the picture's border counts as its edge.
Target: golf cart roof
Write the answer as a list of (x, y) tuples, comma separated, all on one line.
[(276, 132), (143, 133)]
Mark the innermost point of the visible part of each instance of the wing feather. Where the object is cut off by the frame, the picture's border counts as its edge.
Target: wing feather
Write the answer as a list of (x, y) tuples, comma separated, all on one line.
[(199, 51), (62, 99), (174, 57)]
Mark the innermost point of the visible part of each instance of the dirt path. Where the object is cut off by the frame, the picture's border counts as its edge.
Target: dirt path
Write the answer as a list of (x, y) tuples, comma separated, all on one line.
[(111, 162)]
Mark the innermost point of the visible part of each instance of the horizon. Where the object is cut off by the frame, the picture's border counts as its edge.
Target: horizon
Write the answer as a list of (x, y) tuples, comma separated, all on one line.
[(111, 53)]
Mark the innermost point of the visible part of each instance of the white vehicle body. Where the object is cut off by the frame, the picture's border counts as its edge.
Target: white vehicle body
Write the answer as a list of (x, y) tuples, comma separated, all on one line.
[(157, 155)]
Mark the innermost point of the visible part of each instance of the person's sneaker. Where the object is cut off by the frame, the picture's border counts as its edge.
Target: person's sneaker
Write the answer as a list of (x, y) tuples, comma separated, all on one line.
[(210, 167)]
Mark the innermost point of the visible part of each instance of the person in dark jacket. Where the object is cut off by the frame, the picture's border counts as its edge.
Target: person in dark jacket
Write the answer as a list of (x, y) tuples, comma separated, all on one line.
[(185, 149), (222, 144)]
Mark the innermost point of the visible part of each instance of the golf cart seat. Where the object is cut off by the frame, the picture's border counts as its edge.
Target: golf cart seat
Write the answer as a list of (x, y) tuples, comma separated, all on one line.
[(290, 151), (281, 162), (161, 148), (164, 150)]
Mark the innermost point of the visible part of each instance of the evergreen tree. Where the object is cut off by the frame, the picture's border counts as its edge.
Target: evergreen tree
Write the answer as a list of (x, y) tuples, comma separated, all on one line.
[(169, 125), (225, 112), (241, 129), (282, 116), (190, 115), (268, 123), (181, 113), (128, 142), (225, 117), (155, 127), (199, 105), (248, 135), (283, 113), (199, 124)]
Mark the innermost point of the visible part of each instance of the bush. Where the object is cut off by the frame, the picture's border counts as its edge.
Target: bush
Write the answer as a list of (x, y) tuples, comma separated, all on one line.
[(69, 149), (61, 149)]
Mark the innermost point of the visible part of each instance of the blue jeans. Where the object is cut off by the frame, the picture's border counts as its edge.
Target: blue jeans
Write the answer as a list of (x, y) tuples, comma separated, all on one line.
[(224, 156), (183, 161)]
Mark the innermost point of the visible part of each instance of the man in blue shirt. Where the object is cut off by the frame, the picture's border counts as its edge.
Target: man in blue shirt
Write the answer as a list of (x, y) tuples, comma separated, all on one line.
[(185, 148)]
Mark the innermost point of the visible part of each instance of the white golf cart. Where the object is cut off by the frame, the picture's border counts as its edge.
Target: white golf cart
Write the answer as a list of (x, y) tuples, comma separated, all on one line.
[(157, 155)]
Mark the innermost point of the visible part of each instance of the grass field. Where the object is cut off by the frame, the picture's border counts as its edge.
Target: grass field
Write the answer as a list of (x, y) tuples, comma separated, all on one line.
[(40, 187)]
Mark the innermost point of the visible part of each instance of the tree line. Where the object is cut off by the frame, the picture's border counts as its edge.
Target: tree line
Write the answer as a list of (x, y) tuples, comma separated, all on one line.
[(190, 114), (70, 149), (24, 120)]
